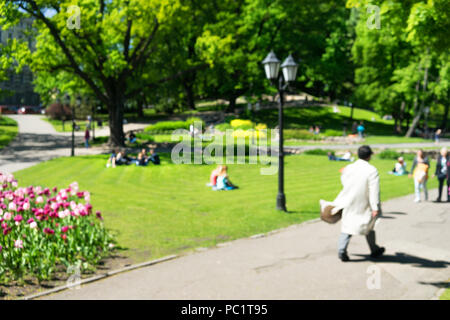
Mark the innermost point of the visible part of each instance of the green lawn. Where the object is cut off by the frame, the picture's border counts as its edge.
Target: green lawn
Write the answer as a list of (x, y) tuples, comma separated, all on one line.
[(161, 210), (8, 131), (446, 295)]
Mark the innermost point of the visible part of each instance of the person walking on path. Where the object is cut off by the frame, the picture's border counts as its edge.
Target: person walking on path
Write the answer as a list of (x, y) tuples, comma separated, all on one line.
[(419, 171), (360, 201), (361, 129), (437, 135), (443, 173), (86, 138)]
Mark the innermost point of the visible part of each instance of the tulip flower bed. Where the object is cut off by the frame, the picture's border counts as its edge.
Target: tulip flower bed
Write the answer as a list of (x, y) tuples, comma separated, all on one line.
[(43, 231)]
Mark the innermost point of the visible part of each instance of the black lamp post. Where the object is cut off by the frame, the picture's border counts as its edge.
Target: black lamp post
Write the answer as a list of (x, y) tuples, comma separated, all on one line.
[(93, 121), (67, 102), (272, 69)]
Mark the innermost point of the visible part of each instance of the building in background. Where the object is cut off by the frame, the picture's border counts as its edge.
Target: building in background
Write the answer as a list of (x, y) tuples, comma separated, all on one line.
[(20, 86)]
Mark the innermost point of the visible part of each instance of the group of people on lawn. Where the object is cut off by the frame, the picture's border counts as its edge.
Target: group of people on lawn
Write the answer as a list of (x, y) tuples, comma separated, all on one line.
[(120, 157)]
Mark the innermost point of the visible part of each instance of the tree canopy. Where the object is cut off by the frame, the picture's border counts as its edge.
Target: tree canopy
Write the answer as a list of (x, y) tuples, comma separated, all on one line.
[(175, 52)]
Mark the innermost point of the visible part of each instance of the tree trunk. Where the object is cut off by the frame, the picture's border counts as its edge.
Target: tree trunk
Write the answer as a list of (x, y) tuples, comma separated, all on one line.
[(140, 108), (416, 119), (445, 118), (117, 137), (398, 127), (231, 104), (190, 96)]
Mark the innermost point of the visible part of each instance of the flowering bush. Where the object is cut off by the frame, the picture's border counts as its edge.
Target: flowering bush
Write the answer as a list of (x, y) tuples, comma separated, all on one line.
[(241, 124), (248, 133), (43, 229)]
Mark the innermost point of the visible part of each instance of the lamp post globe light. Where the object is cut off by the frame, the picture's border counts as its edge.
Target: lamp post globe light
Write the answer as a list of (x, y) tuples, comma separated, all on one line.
[(272, 69)]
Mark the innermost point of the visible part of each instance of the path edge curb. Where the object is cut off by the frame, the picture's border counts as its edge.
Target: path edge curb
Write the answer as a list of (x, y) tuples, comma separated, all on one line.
[(100, 276), (153, 262)]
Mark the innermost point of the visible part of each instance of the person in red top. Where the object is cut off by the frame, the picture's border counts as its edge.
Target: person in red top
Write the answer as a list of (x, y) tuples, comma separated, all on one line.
[(213, 177), (86, 138)]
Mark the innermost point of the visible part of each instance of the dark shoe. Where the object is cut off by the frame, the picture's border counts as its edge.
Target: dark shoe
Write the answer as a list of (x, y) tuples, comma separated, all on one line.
[(378, 252), (437, 201), (344, 257)]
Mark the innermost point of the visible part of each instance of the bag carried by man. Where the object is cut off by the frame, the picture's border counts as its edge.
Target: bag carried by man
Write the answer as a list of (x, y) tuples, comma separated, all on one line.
[(329, 213)]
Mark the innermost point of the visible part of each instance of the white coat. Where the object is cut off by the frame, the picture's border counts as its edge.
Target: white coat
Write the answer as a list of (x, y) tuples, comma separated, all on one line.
[(360, 195)]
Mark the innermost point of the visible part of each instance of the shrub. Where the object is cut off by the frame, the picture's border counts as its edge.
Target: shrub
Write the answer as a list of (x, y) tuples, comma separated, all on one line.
[(145, 136), (332, 133), (223, 127), (318, 152), (58, 111), (389, 154), (43, 230), (394, 155), (168, 126), (300, 134), (195, 121), (241, 124)]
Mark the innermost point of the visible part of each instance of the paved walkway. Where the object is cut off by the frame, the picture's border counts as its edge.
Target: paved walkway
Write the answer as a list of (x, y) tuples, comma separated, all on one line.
[(301, 262), (38, 141)]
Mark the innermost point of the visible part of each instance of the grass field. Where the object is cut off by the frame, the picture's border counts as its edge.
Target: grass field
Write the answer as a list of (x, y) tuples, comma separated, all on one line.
[(8, 131), (159, 210), (446, 295)]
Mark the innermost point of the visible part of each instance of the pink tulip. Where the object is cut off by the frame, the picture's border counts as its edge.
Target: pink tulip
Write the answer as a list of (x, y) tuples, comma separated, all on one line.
[(7, 216), (18, 244), (6, 231), (64, 229), (18, 218), (99, 215), (49, 231), (12, 206)]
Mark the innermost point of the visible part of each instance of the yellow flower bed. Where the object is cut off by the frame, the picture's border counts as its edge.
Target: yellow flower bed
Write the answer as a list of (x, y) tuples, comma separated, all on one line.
[(248, 133), (239, 122)]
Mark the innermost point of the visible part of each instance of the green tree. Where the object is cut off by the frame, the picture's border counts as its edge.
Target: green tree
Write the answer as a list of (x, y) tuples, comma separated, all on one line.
[(114, 41)]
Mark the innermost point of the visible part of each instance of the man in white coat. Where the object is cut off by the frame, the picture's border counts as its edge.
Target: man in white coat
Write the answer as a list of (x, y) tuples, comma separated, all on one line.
[(360, 201)]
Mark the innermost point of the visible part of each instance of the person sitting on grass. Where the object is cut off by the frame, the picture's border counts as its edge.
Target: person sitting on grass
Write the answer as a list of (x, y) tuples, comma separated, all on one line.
[(142, 159), (112, 159), (123, 159), (346, 157), (223, 183), (213, 177), (132, 137), (400, 167), (154, 157)]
